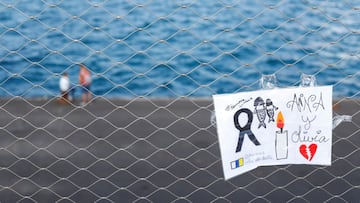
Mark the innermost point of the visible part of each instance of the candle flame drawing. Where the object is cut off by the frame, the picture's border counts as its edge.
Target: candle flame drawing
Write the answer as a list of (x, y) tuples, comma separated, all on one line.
[(280, 121), (281, 139)]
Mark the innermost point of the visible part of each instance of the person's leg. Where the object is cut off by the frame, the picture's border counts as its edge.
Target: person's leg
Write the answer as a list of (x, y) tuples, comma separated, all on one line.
[(83, 98), (88, 94), (63, 98), (72, 93), (83, 95), (65, 95)]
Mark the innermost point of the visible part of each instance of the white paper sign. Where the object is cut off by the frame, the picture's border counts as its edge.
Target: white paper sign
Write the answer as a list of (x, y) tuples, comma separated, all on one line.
[(274, 127)]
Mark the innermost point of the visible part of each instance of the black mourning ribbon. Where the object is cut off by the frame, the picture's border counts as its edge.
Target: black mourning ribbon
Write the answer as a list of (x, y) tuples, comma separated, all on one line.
[(246, 129)]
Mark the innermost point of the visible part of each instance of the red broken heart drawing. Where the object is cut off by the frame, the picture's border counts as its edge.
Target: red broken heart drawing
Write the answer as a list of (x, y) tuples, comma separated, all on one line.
[(308, 151)]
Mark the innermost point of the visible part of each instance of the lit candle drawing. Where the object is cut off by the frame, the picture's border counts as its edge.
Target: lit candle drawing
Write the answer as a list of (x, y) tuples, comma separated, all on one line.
[(281, 139)]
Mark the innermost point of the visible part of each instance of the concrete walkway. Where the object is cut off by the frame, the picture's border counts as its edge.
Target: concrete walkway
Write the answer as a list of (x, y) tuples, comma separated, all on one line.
[(152, 150)]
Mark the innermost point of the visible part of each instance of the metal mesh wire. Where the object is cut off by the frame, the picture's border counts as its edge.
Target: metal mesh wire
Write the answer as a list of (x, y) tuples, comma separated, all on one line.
[(142, 148)]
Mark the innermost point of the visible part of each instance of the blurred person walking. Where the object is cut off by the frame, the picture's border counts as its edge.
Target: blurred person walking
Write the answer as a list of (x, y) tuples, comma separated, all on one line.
[(66, 89), (85, 82)]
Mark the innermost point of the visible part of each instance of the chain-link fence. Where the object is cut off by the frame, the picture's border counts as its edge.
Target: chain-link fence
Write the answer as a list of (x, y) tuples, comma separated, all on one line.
[(146, 134)]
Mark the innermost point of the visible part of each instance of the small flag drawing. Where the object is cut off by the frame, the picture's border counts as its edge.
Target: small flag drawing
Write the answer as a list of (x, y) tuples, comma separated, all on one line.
[(237, 163)]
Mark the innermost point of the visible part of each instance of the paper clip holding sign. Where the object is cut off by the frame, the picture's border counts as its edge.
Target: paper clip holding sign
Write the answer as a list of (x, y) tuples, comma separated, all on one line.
[(308, 80), (268, 82)]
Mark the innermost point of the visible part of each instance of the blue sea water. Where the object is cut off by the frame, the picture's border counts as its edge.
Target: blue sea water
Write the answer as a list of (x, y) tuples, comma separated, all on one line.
[(177, 48)]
